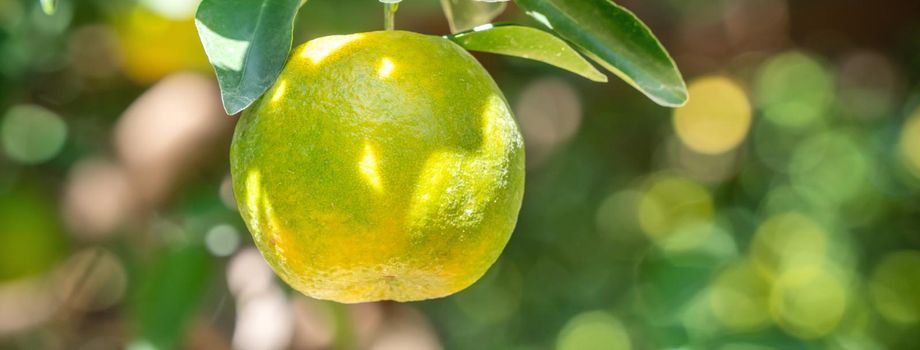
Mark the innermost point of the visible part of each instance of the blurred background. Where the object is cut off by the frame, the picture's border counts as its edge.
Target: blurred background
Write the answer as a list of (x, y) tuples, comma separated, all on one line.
[(780, 209)]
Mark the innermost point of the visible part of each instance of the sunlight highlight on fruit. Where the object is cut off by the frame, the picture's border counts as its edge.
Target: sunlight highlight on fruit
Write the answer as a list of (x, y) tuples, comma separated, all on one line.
[(253, 196), (368, 168), (318, 49), (716, 119), (279, 91), (386, 67), (432, 186)]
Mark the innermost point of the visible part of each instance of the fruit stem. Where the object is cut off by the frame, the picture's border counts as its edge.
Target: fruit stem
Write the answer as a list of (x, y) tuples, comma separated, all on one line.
[(389, 14)]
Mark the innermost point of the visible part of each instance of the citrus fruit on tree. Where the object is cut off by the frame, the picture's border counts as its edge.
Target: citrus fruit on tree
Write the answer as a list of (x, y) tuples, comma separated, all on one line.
[(379, 166)]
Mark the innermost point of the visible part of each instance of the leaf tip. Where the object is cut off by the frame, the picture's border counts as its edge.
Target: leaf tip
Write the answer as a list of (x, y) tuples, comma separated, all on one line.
[(598, 77), (681, 94), (675, 98), (234, 104)]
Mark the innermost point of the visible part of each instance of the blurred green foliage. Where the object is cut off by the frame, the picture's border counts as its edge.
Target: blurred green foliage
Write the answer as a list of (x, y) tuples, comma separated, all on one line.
[(32, 241), (786, 216)]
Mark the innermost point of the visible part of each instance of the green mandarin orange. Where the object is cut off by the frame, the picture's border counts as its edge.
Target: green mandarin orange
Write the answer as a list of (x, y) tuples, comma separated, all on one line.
[(379, 166)]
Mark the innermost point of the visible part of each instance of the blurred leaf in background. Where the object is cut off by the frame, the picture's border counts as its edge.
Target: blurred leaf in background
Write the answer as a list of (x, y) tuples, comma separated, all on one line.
[(32, 239), (778, 209), (167, 299)]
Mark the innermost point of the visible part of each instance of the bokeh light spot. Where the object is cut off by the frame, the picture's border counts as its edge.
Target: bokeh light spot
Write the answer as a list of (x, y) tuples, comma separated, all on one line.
[(671, 202), (716, 119), (817, 164), (264, 321), (141, 344), (739, 298), (550, 113), (222, 240), (774, 144), (495, 298), (808, 301), (706, 168), (98, 199), (314, 322), (895, 287), (787, 241), (169, 130), (617, 214), (32, 134), (248, 274), (910, 143), (404, 328), (689, 236), (593, 330), (174, 9), (868, 85), (793, 89)]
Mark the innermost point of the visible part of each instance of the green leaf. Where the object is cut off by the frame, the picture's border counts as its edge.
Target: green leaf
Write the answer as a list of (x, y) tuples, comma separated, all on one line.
[(247, 42), (465, 14), (615, 38), (526, 42), (49, 6)]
